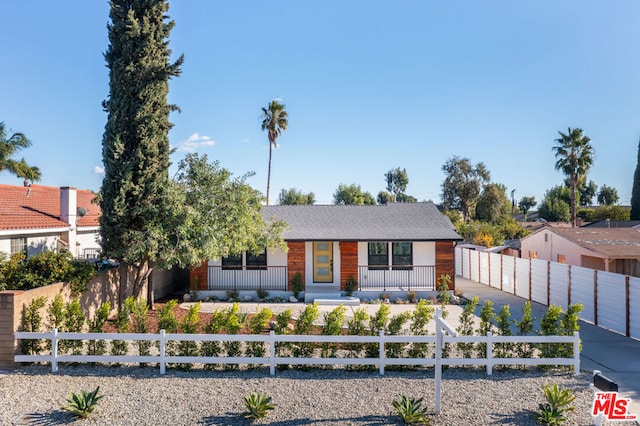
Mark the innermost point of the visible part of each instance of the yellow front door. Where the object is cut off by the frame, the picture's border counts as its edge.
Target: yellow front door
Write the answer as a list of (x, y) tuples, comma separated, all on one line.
[(323, 262)]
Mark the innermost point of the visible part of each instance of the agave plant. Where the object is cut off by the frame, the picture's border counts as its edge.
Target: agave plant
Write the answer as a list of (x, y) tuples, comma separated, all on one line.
[(83, 403), (548, 415), (410, 410), (559, 398), (258, 405)]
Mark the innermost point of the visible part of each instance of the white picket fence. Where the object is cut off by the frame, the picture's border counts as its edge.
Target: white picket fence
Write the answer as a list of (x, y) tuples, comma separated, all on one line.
[(611, 301)]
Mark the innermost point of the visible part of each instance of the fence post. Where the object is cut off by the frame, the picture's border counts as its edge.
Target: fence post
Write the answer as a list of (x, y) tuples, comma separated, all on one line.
[(576, 353), (627, 306), (489, 353), (272, 352), (163, 343), (438, 366), (54, 350), (381, 352)]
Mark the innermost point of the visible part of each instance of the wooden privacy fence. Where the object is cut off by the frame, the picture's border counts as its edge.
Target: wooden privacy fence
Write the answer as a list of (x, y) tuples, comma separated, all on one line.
[(610, 300)]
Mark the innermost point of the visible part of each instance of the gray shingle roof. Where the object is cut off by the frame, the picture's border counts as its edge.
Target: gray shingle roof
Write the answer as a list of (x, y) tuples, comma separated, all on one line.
[(391, 222)]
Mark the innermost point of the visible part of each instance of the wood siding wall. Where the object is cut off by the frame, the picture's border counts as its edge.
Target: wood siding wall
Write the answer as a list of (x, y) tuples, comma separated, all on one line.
[(348, 262), (295, 261), (199, 277), (445, 261)]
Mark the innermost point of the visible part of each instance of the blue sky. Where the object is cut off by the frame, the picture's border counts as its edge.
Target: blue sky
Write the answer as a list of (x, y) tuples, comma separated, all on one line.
[(369, 86)]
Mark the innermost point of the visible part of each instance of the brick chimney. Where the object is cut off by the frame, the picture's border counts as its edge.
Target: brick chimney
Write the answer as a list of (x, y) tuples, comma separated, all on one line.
[(68, 214)]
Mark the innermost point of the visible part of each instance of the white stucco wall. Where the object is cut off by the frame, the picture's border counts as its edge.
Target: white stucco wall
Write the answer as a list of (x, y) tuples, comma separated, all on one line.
[(35, 243), (549, 245)]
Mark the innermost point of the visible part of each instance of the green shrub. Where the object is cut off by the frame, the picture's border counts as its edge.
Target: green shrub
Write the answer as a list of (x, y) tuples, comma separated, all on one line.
[(410, 410), (395, 328), (82, 404), (45, 268), (296, 284), (98, 347), (214, 326), (257, 324), (189, 325), (74, 320), (377, 323), (503, 323), (466, 327), (420, 319), (139, 323), (121, 347), (303, 326), (525, 328), (332, 327), (356, 326), (350, 286), (443, 288), (233, 324), (258, 404), (32, 322), (487, 319)]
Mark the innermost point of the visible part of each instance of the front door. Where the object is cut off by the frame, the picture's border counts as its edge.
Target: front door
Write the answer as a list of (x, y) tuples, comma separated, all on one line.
[(323, 262)]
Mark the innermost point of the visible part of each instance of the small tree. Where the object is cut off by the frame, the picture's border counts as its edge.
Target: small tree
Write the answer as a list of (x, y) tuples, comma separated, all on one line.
[(525, 204), (98, 347), (293, 196), (352, 195), (462, 185), (607, 196), (32, 322), (333, 322)]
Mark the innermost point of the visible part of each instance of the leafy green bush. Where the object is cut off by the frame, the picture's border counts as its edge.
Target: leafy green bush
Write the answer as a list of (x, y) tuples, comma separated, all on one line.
[(258, 405), (32, 322), (83, 403), (410, 410), (257, 324), (421, 317), (333, 321), (45, 268), (98, 347)]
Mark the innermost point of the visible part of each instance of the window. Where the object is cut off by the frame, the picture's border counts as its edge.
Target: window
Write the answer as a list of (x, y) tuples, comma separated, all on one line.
[(251, 261), (232, 262), (19, 245), (378, 255), (257, 261), (402, 255)]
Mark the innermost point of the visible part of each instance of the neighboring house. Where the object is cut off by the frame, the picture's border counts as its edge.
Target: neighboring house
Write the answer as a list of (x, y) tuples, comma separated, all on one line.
[(606, 249), (613, 224), (398, 246), (38, 218)]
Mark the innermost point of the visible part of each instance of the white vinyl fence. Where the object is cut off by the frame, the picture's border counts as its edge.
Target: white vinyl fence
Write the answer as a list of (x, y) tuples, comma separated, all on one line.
[(445, 334), (610, 300)]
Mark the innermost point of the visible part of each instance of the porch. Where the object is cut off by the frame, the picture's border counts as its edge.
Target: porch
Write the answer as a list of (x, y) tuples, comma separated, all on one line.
[(396, 278), (386, 278)]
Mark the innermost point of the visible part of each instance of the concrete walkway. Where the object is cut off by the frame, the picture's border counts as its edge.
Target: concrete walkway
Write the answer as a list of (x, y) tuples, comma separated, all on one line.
[(617, 356)]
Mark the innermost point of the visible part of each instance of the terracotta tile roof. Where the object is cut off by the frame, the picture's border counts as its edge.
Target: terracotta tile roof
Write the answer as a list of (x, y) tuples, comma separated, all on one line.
[(618, 243), (39, 207)]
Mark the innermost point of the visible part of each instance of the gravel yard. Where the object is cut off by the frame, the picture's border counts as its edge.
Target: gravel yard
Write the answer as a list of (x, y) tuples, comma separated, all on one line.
[(140, 396)]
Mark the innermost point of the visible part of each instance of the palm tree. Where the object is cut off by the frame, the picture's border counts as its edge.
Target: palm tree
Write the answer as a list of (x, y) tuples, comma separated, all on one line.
[(8, 147), (274, 121), (574, 155)]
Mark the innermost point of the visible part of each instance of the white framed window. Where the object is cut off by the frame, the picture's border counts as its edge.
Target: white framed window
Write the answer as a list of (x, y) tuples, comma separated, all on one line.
[(19, 245)]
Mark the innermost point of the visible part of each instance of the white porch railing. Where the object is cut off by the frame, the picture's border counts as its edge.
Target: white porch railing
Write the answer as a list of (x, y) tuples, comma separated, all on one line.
[(384, 278), (247, 278)]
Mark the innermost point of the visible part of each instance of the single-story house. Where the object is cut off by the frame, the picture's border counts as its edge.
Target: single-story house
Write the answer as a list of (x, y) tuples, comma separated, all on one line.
[(398, 246), (38, 218), (606, 249)]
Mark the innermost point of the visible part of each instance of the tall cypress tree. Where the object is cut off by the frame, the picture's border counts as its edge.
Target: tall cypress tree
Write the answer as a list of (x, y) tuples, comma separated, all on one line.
[(135, 145), (635, 191)]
